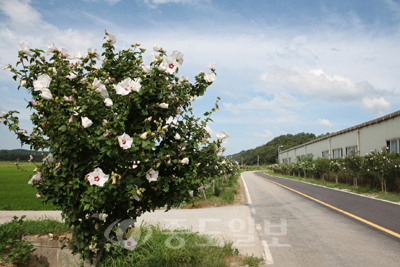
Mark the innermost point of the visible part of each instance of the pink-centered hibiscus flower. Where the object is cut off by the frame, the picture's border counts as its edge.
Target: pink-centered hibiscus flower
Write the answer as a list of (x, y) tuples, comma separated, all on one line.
[(124, 87), (211, 66), (178, 56), (152, 176), (65, 53), (111, 38), (51, 48), (125, 141), (170, 64), (97, 177), (42, 82), (25, 49), (130, 243), (209, 77), (135, 164)]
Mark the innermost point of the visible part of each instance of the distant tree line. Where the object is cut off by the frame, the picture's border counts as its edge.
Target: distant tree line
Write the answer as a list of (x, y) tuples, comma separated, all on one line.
[(21, 155), (268, 153)]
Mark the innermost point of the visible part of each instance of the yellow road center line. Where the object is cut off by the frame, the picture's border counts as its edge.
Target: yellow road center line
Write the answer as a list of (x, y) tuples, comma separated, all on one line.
[(337, 209)]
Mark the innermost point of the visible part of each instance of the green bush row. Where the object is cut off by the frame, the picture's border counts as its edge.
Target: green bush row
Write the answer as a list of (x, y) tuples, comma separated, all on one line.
[(377, 169)]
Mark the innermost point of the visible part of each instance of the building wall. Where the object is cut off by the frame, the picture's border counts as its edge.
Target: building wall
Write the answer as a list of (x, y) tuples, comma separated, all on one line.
[(386, 130), (370, 136)]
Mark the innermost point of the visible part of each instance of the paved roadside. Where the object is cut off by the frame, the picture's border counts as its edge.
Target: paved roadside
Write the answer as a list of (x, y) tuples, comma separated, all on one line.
[(383, 215)]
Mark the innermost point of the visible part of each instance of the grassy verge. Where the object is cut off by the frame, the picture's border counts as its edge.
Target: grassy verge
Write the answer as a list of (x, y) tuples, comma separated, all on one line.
[(394, 197), (224, 192), (15, 192), (164, 247), (253, 168)]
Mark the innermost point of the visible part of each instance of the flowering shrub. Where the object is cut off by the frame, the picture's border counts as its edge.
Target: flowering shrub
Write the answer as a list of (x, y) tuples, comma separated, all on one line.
[(122, 135)]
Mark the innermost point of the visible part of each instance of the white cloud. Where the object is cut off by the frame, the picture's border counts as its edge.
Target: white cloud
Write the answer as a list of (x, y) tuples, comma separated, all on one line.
[(299, 53), (110, 2), (376, 105), (260, 103), (395, 7), (155, 3), (12, 100), (323, 122), (315, 82), (98, 20), (266, 134), (21, 16), (209, 130)]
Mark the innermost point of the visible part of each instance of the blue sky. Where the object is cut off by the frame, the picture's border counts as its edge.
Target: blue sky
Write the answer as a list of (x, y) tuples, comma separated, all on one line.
[(284, 67)]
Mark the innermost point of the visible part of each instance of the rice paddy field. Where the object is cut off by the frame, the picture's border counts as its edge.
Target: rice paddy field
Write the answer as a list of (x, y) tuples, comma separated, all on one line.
[(15, 192)]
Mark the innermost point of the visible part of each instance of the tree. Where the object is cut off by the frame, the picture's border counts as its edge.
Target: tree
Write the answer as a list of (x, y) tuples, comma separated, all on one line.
[(122, 136)]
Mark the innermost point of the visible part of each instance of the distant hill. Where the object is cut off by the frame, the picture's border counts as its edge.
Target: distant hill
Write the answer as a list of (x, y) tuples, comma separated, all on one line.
[(269, 152), (20, 154)]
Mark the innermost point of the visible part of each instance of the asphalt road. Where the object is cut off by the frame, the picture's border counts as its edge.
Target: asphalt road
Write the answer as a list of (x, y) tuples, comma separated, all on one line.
[(298, 231)]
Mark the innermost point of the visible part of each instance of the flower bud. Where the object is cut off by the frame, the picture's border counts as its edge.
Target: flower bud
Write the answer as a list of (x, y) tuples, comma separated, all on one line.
[(143, 135), (23, 82)]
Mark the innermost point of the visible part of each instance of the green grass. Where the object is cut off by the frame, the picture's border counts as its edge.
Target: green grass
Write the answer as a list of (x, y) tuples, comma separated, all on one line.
[(35, 227), (165, 247), (253, 168), (173, 248), (15, 192), (389, 197), (252, 261), (394, 197), (225, 193)]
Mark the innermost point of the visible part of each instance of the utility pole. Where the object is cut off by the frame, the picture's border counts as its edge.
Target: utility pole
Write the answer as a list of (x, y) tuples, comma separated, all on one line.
[(279, 152), (242, 162), (258, 159)]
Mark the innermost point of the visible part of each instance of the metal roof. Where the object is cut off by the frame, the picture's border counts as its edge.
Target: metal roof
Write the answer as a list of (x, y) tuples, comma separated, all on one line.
[(378, 120)]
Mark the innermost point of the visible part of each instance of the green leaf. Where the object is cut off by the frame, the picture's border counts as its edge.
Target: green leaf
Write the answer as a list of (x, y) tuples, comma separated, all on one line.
[(62, 128)]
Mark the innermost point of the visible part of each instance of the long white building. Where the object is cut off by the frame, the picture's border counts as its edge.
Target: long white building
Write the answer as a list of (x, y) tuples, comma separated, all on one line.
[(359, 139)]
